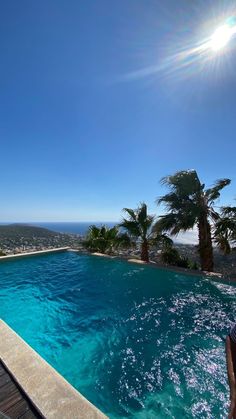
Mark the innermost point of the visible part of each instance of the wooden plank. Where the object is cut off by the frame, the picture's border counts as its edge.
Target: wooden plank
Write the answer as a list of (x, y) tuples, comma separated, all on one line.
[(2, 416), (28, 415), (10, 400), (7, 391), (4, 379), (13, 401), (17, 409)]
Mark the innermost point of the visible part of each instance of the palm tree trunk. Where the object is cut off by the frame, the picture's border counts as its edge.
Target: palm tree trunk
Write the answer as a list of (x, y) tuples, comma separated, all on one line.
[(144, 251), (205, 244)]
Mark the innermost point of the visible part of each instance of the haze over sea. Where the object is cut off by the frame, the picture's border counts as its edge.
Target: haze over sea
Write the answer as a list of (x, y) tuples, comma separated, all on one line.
[(72, 227), (81, 228)]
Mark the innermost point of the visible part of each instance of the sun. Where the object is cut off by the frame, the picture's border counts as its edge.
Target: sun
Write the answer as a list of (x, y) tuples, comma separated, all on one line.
[(221, 37)]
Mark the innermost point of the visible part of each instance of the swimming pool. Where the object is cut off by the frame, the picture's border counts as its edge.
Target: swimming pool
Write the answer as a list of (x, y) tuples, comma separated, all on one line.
[(138, 342)]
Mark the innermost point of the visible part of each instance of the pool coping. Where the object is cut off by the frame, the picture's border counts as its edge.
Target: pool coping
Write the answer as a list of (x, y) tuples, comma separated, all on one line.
[(47, 390), (215, 276), (35, 253)]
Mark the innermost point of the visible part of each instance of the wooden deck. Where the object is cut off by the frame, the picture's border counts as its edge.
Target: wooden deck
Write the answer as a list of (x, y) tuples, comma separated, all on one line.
[(14, 404)]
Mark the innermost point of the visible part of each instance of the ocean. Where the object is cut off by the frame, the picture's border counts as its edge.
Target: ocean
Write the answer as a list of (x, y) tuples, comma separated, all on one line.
[(188, 237), (74, 228)]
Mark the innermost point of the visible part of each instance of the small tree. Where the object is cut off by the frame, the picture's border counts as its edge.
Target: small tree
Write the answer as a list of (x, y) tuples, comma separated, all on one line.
[(189, 203), (105, 240), (225, 229), (139, 226)]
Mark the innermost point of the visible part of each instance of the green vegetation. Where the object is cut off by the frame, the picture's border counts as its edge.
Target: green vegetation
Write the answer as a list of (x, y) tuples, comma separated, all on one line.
[(13, 231), (106, 240), (139, 226), (171, 256), (188, 204), (225, 229)]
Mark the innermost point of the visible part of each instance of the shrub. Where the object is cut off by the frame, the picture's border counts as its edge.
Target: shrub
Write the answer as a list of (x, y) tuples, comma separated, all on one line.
[(171, 256)]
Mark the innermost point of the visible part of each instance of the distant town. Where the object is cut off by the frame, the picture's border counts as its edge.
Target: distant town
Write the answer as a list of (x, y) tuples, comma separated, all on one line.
[(16, 238)]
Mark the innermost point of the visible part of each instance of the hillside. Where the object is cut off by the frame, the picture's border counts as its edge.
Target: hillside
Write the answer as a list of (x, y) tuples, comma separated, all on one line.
[(17, 238), (13, 231)]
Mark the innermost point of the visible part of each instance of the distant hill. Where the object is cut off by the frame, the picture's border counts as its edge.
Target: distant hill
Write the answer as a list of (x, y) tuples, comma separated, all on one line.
[(13, 231)]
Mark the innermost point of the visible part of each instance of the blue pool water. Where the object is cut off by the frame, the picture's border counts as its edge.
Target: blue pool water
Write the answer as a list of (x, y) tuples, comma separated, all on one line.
[(138, 342)]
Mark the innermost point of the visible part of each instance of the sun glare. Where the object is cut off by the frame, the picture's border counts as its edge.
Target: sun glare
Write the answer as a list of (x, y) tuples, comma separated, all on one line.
[(209, 51), (221, 37)]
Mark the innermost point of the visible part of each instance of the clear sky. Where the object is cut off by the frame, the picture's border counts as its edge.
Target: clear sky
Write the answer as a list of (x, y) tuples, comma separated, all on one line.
[(101, 98)]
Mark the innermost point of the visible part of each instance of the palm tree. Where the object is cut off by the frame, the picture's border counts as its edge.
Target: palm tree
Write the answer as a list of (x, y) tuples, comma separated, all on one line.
[(189, 204), (139, 226), (105, 240), (225, 229)]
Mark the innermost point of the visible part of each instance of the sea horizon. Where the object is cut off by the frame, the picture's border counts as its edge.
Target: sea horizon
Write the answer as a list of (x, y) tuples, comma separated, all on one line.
[(81, 228), (71, 227)]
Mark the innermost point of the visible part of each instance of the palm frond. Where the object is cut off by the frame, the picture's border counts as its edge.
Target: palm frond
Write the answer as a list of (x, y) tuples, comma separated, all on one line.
[(184, 182), (161, 239), (175, 222), (228, 211), (131, 226), (105, 240), (214, 192), (165, 223), (131, 213), (142, 213), (223, 243)]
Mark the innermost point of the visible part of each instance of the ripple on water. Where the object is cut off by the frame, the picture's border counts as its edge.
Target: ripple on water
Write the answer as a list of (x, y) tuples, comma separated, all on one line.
[(136, 341)]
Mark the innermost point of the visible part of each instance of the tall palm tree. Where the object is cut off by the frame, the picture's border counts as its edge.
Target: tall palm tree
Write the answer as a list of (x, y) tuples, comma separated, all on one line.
[(105, 240), (139, 225), (188, 204), (225, 229)]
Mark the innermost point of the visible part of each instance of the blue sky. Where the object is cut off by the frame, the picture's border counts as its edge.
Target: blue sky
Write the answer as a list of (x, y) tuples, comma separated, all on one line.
[(97, 104)]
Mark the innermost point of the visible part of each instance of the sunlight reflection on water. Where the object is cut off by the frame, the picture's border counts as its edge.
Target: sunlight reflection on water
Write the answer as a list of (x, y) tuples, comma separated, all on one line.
[(136, 341)]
